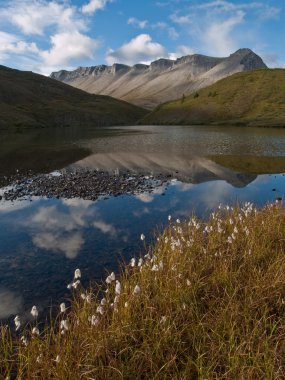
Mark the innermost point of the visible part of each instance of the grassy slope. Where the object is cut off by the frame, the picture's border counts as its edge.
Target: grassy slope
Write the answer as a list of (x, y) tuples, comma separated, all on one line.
[(211, 306), (32, 100), (248, 98)]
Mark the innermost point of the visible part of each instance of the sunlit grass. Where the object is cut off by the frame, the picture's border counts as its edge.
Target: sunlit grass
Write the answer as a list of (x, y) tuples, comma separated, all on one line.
[(207, 301), (254, 98)]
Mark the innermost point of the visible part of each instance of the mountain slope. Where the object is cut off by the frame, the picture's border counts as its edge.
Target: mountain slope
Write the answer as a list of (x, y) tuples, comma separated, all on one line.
[(32, 100), (255, 98), (162, 80)]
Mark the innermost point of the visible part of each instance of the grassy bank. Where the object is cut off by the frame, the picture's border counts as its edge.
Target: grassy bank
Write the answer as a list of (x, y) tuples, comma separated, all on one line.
[(254, 98), (29, 100), (206, 302)]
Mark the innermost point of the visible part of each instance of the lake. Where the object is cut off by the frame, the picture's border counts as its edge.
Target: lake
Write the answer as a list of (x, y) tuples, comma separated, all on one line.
[(43, 240)]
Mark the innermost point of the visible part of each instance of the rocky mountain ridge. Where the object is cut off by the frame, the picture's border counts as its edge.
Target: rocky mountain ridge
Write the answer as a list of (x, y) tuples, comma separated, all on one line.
[(162, 80)]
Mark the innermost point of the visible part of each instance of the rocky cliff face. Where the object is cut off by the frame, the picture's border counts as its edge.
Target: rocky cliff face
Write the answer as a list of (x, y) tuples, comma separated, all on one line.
[(162, 80)]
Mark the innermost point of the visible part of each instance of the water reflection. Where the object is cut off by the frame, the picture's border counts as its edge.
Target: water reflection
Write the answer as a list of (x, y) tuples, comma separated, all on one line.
[(43, 241), (184, 168), (42, 244), (10, 303)]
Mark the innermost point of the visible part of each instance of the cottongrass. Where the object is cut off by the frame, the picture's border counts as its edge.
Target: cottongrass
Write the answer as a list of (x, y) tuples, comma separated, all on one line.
[(214, 309)]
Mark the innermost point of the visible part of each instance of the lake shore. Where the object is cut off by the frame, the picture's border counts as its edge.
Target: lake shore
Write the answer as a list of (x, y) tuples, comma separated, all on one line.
[(85, 184)]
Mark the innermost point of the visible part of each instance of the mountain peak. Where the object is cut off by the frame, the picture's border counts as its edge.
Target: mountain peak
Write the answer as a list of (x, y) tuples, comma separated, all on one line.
[(249, 59), (242, 51)]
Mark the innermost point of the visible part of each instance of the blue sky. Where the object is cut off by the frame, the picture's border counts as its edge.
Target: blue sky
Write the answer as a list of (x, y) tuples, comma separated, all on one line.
[(44, 36)]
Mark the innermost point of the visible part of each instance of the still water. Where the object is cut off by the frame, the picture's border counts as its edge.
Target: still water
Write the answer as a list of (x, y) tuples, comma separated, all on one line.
[(42, 241)]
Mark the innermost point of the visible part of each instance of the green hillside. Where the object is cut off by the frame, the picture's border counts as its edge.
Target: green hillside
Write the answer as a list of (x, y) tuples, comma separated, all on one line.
[(32, 100), (255, 98)]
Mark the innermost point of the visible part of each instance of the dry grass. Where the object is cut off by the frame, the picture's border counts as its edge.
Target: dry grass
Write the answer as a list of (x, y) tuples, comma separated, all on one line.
[(211, 306)]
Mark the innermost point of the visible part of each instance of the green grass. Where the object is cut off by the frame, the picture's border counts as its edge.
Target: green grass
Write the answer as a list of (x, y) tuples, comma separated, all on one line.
[(251, 164), (32, 100), (254, 98), (213, 308)]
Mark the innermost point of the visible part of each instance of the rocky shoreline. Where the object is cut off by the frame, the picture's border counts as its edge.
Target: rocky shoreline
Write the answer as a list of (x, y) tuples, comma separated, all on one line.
[(84, 184)]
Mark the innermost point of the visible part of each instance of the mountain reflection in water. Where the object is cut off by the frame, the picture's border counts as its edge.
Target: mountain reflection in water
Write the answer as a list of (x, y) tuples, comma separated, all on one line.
[(44, 240), (184, 168)]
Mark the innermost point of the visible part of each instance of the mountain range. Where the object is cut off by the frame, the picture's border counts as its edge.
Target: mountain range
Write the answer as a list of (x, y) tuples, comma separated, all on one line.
[(161, 81)]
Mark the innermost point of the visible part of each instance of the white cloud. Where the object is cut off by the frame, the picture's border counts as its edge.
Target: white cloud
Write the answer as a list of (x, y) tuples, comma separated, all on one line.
[(33, 17), (141, 24), (69, 46), (217, 38), (94, 5), (181, 51), (140, 49), (173, 34), (160, 25), (215, 26), (11, 45), (264, 11), (7, 38), (185, 19)]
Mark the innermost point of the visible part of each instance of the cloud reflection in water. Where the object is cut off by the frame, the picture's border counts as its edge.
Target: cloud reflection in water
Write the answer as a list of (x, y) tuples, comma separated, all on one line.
[(10, 303)]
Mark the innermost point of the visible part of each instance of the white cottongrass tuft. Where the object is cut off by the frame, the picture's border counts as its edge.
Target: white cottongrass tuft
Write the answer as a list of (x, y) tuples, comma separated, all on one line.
[(17, 322), (62, 307), (163, 319), (103, 301), (169, 217), (34, 312), (57, 359), (229, 240), (77, 274), (118, 287), (155, 268), (133, 262), (24, 340), (94, 320), (137, 290), (188, 282), (36, 331), (126, 304), (142, 237), (64, 325), (100, 310), (110, 278), (140, 262), (75, 284)]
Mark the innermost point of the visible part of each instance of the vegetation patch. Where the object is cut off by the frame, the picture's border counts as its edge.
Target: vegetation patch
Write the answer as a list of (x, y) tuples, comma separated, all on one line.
[(31, 100), (253, 98)]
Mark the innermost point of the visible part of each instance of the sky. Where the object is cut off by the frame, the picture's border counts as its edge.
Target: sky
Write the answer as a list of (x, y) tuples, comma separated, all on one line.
[(45, 36)]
